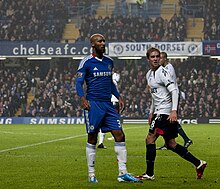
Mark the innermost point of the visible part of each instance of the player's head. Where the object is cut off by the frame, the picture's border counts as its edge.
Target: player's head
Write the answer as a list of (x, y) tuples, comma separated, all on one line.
[(98, 43), (163, 58), (153, 57), (150, 50)]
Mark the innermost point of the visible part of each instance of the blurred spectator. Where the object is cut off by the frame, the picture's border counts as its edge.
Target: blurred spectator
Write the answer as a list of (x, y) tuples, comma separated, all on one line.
[(27, 20), (134, 28), (198, 79)]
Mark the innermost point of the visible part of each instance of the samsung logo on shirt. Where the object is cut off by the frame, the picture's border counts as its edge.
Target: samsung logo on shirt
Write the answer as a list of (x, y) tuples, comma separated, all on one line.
[(98, 74)]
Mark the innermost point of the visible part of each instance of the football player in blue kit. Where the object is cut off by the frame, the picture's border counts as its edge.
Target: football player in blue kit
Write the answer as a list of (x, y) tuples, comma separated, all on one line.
[(96, 71)]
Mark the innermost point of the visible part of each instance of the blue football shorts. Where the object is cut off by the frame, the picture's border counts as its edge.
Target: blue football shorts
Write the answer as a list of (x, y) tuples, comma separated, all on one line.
[(102, 115)]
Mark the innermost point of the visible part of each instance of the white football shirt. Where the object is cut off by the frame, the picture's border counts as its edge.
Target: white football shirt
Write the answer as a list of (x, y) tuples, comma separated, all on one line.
[(172, 72), (161, 85)]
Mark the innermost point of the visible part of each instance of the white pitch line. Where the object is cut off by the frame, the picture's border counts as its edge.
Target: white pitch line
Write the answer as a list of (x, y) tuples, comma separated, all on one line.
[(21, 133), (40, 143), (50, 141)]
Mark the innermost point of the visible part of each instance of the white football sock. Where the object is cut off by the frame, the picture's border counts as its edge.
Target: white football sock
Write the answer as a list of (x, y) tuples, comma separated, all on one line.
[(101, 137), (121, 153), (91, 157)]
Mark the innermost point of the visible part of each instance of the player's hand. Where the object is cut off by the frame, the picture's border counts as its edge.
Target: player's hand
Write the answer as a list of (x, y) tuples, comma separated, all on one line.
[(173, 116), (85, 103), (121, 104)]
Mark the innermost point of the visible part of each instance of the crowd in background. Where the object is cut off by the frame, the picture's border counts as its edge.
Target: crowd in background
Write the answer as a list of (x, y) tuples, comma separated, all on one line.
[(212, 20), (209, 11), (55, 92), (53, 89), (28, 20), (134, 29)]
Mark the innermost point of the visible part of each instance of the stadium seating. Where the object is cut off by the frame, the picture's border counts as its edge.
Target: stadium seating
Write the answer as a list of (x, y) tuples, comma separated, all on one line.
[(56, 94), (26, 20), (62, 20), (55, 91)]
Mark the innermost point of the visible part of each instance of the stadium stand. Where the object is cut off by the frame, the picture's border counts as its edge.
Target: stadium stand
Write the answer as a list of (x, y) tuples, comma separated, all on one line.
[(55, 94), (27, 20), (33, 91), (65, 20), (197, 25)]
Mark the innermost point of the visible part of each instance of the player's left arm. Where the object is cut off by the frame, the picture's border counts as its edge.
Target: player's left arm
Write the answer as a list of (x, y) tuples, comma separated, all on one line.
[(173, 114), (115, 92), (172, 88)]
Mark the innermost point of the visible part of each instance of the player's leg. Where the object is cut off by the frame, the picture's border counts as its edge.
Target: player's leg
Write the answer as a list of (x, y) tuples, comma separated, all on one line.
[(91, 155), (113, 124), (181, 132), (187, 140), (151, 150), (120, 150), (117, 108), (93, 119), (121, 153), (150, 157), (101, 140), (185, 154)]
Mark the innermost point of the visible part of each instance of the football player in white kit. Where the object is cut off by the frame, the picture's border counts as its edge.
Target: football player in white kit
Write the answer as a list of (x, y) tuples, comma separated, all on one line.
[(114, 100), (168, 66), (163, 116)]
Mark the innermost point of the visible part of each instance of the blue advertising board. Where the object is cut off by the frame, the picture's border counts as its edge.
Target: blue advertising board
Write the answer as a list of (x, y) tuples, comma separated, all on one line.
[(41, 120), (211, 48), (27, 49), (24, 49)]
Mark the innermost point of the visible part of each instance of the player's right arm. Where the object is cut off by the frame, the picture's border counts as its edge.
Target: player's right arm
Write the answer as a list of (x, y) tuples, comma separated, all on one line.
[(151, 114), (80, 77)]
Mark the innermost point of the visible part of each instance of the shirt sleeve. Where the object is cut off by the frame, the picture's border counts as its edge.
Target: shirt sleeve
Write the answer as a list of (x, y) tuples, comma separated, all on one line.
[(168, 80), (174, 94), (80, 77), (171, 87)]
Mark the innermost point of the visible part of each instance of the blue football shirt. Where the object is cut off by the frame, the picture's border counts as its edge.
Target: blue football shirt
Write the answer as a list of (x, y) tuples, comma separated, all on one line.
[(97, 73)]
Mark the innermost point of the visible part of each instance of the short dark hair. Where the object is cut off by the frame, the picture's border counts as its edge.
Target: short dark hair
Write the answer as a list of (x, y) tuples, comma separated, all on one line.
[(164, 53), (150, 50)]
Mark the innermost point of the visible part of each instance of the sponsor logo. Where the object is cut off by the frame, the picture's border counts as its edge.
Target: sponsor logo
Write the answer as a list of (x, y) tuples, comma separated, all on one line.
[(57, 121), (118, 49), (193, 48), (188, 121), (210, 49), (6, 121), (100, 74)]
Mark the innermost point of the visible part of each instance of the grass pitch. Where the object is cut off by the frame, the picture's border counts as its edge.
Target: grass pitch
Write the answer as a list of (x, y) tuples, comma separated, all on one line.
[(53, 156)]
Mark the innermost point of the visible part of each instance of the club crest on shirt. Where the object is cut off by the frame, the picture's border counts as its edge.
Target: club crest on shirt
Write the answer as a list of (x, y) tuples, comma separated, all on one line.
[(79, 74)]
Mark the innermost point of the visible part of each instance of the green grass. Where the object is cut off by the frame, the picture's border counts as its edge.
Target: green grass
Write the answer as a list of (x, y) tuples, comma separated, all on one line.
[(53, 156)]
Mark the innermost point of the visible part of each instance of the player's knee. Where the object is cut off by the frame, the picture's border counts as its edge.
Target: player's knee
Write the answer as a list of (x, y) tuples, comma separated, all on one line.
[(119, 136), (92, 138), (171, 144), (150, 139)]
